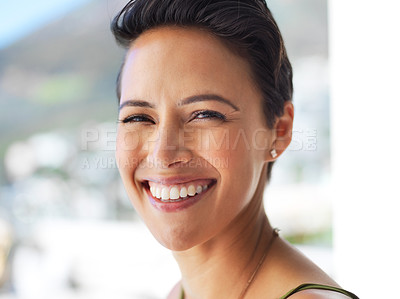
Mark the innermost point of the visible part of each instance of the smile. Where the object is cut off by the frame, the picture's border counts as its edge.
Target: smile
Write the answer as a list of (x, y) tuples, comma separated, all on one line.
[(177, 192), (177, 196)]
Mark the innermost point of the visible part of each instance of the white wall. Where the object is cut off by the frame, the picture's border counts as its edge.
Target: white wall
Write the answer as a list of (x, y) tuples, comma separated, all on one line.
[(365, 116)]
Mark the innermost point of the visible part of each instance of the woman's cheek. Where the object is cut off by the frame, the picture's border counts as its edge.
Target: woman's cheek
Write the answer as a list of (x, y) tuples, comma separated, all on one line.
[(128, 147), (210, 147), (128, 140)]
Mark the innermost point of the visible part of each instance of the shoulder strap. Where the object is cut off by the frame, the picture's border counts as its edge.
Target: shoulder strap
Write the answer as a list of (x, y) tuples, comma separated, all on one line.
[(307, 286), (312, 286)]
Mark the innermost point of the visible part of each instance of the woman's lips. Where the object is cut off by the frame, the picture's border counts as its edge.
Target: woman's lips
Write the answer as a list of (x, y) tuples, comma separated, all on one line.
[(174, 197)]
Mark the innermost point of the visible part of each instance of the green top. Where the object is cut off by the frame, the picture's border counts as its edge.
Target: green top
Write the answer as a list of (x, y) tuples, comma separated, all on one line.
[(312, 286), (307, 286)]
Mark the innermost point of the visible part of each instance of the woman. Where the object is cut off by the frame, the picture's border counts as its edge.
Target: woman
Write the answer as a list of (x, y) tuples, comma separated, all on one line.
[(205, 109)]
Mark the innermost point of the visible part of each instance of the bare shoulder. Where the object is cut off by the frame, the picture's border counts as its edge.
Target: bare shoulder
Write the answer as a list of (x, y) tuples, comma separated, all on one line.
[(318, 294), (175, 292), (288, 269)]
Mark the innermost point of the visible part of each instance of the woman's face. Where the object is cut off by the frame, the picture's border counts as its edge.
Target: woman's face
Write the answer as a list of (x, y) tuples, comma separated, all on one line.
[(192, 141)]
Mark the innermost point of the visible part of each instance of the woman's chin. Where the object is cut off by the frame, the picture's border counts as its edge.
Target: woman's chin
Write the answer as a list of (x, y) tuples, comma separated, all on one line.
[(177, 246), (176, 241)]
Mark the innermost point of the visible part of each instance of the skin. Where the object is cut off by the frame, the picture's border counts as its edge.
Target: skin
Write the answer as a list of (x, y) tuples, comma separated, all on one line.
[(219, 240)]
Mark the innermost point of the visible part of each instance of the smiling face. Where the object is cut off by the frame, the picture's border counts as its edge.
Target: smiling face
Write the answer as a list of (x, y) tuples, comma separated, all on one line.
[(192, 140)]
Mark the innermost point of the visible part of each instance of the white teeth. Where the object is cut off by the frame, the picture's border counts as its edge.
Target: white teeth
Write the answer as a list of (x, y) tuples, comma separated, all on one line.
[(183, 192), (174, 193), (164, 193), (191, 190), (158, 192), (199, 189)]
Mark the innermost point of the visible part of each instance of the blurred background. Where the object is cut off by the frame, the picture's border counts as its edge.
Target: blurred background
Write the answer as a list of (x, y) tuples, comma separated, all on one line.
[(67, 229)]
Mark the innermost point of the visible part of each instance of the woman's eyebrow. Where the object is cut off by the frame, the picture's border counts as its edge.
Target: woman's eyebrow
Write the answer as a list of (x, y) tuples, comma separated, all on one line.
[(207, 97), (186, 101), (136, 103)]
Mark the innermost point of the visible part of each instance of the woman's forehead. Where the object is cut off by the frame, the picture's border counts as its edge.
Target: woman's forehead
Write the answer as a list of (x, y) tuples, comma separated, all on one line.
[(184, 47), (183, 61)]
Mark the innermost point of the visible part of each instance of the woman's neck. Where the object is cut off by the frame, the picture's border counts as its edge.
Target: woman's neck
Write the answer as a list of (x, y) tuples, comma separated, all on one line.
[(220, 267)]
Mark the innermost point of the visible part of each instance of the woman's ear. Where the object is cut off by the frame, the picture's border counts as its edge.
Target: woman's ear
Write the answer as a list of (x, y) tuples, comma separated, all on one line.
[(283, 131)]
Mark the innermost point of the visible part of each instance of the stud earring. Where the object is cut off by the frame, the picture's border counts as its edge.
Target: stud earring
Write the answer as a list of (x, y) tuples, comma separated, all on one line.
[(274, 154)]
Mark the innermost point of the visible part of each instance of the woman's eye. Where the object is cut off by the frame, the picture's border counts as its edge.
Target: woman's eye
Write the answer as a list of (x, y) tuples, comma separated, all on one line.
[(137, 118), (208, 114)]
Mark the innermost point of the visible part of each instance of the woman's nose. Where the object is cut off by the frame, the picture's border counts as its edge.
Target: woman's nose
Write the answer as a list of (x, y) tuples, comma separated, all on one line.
[(169, 149)]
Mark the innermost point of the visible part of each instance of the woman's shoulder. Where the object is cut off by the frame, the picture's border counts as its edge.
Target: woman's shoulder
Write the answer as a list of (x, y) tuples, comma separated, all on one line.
[(175, 292), (316, 291), (294, 276), (318, 294)]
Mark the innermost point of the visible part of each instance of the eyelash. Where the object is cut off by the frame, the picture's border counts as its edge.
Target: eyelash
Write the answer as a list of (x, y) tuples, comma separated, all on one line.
[(137, 118), (200, 115), (210, 114)]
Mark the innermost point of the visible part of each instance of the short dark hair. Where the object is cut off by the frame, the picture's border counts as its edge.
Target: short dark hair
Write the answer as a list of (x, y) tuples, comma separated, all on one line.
[(247, 26)]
